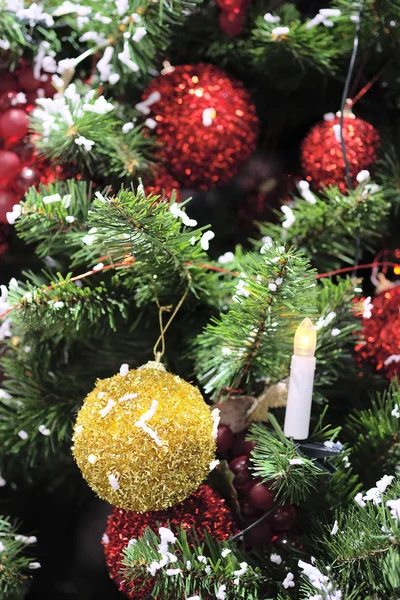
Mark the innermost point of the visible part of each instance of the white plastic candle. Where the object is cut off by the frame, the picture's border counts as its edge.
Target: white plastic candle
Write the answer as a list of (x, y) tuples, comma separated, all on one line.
[(301, 382)]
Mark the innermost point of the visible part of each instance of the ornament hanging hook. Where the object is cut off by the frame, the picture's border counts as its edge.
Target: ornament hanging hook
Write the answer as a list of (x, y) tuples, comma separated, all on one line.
[(158, 354)]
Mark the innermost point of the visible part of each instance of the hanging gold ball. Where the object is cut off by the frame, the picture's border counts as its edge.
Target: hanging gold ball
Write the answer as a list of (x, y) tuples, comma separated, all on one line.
[(144, 440)]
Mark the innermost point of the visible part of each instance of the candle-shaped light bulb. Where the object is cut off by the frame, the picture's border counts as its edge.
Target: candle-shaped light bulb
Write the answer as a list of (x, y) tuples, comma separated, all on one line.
[(301, 382), (305, 339)]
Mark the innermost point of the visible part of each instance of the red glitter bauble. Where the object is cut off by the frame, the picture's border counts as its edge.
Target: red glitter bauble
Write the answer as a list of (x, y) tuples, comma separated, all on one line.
[(204, 510), (14, 124), (206, 123), (321, 151), (232, 23), (381, 335), (229, 5), (163, 184)]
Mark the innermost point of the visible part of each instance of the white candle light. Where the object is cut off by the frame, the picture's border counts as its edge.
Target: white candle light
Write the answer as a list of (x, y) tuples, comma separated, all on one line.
[(298, 409)]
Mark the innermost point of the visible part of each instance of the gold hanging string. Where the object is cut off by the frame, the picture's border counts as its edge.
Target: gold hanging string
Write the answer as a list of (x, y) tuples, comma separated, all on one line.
[(161, 309)]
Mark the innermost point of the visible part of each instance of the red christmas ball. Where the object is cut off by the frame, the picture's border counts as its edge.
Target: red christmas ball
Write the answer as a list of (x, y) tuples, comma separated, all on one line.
[(232, 23), (261, 497), (27, 177), (229, 5), (10, 164), (224, 438), (14, 124), (321, 151), (283, 518), (240, 468), (205, 509), (206, 124), (28, 81), (7, 201), (380, 345)]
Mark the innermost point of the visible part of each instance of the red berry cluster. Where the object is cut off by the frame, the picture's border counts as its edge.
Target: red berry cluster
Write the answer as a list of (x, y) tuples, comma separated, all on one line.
[(255, 497), (233, 15), (20, 167)]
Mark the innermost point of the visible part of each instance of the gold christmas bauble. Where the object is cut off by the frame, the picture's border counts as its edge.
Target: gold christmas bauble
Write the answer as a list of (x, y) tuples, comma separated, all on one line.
[(144, 440)]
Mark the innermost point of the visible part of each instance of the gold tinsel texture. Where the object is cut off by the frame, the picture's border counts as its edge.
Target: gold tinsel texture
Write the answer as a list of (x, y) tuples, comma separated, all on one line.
[(144, 440)]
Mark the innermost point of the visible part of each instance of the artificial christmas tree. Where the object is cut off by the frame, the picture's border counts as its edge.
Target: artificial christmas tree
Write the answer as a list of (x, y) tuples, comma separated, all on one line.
[(238, 491)]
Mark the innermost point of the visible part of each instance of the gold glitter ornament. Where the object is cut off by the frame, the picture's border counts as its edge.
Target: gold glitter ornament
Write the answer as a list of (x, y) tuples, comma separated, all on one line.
[(145, 440)]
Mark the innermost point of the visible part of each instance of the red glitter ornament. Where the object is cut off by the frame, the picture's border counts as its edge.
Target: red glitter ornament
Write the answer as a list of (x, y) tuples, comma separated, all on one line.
[(205, 122), (381, 335), (163, 185), (321, 151), (229, 5), (232, 23), (205, 509)]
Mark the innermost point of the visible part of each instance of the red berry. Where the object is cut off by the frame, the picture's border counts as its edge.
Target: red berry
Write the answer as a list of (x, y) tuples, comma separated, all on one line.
[(243, 490), (261, 497), (231, 23), (248, 447), (240, 468), (283, 518), (9, 165), (28, 81), (259, 535), (9, 99), (7, 201), (229, 5), (248, 510), (238, 444), (27, 177), (224, 438), (14, 124), (8, 82)]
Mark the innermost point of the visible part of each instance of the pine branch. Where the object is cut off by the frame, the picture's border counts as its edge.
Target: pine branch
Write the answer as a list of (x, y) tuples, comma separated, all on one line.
[(137, 34), (374, 434), (363, 552), (63, 311), (253, 339), (47, 224), (84, 130), (337, 329), (277, 460), (325, 230), (16, 566), (304, 44), (216, 571)]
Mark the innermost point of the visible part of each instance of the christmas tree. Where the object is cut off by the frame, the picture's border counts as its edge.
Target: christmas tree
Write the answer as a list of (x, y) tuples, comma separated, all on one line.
[(200, 330)]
